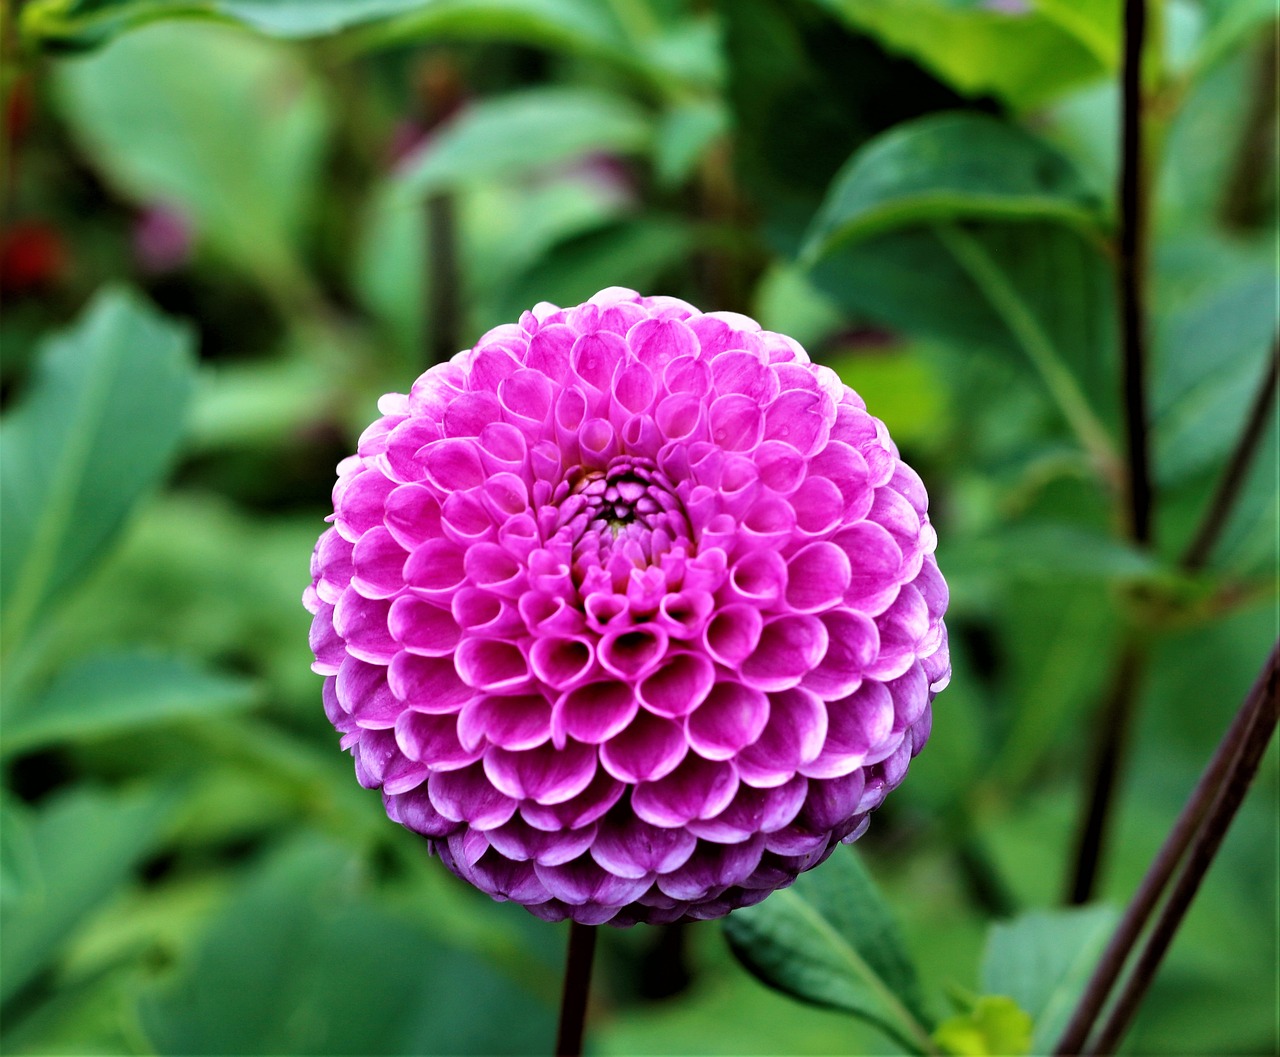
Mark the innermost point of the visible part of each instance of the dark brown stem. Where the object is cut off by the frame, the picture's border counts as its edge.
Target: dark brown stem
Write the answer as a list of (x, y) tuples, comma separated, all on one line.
[(577, 985), (1244, 202), (444, 300), (1261, 710), (1162, 868), (1131, 273), (1219, 510), (1107, 758)]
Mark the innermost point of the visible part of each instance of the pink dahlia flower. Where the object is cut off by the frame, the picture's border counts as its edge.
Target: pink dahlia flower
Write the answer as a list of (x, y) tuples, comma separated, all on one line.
[(631, 611)]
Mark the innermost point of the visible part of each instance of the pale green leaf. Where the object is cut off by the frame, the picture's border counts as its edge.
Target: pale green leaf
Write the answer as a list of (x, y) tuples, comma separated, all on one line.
[(97, 428), (830, 940), (994, 1027), (116, 693), (512, 135), (1042, 961)]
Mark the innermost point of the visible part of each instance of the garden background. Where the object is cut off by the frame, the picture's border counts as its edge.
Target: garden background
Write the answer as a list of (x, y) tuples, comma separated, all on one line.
[(230, 225)]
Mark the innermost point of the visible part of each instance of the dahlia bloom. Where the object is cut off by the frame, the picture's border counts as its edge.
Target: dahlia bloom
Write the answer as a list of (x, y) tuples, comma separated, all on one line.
[(631, 611)]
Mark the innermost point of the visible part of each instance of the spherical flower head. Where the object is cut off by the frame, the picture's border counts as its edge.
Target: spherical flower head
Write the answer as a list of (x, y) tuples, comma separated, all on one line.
[(630, 610)]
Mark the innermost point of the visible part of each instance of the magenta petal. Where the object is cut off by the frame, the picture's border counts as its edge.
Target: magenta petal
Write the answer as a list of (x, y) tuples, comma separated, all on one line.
[(631, 848), (732, 717), (453, 464), (582, 881), (754, 811), (852, 645), (631, 653), (545, 774), (467, 795), (521, 721), (648, 748), (733, 634), (489, 664), (520, 842), (362, 623), (594, 713), (562, 662), (601, 793), (428, 684), (656, 343), (697, 788), (432, 740), (857, 726), (712, 868), (817, 577), (424, 628), (679, 685), (412, 515), (414, 811), (794, 736), (362, 690), (789, 647), (435, 569)]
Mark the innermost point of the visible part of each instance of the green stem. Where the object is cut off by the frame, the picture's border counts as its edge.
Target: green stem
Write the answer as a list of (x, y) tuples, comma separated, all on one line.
[(1009, 305)]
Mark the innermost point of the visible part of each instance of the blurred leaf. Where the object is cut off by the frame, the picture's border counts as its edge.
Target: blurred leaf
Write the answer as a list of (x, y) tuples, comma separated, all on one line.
[(630, 253), (683, 136), (948, 167), (901, 388), (114, 693), (97, 428), (830, 940), (86, 844), (261, 403), (1213, 337), (19, 870), (533, 129), (787, 302), (805, 90), (995, 1027), (1230, 22), (237, 147), (1042, 960), (1055, 552), (88, 23), (1035, 292), (1095, 23), (301, 962), (1024, 58)]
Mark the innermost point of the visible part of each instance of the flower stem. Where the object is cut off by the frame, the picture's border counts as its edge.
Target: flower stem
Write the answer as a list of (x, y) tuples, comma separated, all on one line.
[(1215, 519), (1200, 827), (444, 295), (577, 985), (1131, 273), (1109, 750)]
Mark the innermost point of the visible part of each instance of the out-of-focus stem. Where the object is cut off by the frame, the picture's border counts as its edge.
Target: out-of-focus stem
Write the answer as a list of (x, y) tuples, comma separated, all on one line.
[(444, 298), (577, 986), (1200, 827), (1219, 509), (1107, 757)]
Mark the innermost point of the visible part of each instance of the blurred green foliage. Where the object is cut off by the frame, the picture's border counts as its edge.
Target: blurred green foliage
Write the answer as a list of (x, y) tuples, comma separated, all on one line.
[(231, 224)]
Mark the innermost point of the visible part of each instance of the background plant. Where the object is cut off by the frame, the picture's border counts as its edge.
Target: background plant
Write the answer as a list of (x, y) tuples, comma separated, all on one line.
[(231, 224)]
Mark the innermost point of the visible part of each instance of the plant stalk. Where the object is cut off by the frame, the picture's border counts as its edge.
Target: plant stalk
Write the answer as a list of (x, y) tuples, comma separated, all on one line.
[(1162, 868), (577, 986), (1216, 516)]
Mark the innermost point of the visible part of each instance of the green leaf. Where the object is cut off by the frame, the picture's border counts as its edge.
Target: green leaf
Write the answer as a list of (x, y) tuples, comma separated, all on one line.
[(530, 130), (950, 166), (302, 960), (683, 137), (1042, 960), (1056, 551), (85, 845), (1095, 23), (995, 1027), (1025, 58), (19, 870), (237, 148), (1036, 292), (97, 429), (115, 693), (830, 940), (632, 253)]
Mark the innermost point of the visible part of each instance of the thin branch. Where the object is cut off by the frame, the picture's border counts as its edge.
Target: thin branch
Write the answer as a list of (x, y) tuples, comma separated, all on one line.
[(1109, 750), (1166, 861), (577, 985), (444, 294), (1219, 510), (1131, 273), (1263, 707)]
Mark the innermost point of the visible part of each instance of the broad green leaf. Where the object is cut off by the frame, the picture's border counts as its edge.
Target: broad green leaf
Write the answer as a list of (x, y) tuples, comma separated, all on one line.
[(1230, 23), (683, 136), (302, 960), (85, 845), (1042, 960), (88, 23), (1037, 293), (112, 694), (533, 129), (994, 1027), (631, 253), (1214, 330), (1095, 23), (1056, 551), (952, 166), (901, 388), (1023, 58), (830, 940), (237, 147), (97, 428), (19, 870)]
